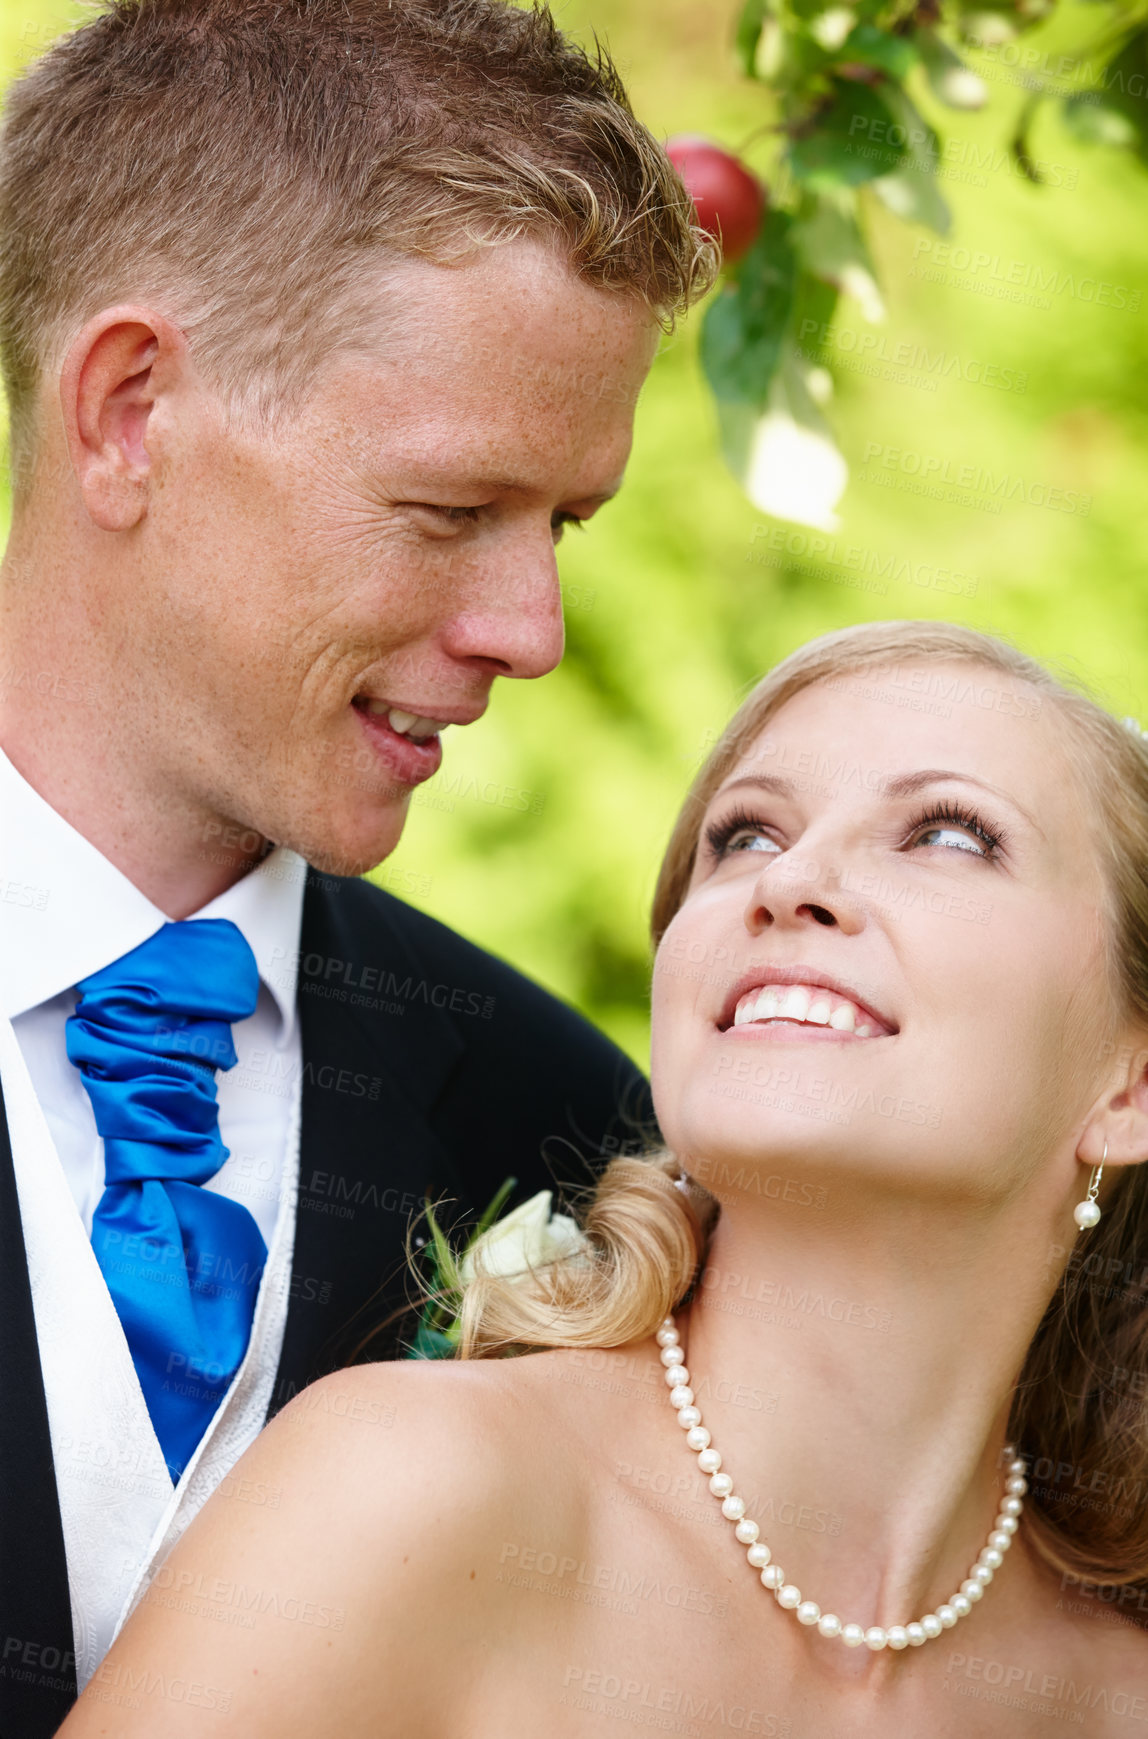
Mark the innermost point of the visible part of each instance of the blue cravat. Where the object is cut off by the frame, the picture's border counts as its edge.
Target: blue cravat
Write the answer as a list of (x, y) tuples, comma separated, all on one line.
[(182, 1263)]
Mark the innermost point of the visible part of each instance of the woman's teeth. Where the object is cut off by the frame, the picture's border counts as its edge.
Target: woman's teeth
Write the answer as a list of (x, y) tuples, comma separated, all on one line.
[(805, 1004), (412, 725)]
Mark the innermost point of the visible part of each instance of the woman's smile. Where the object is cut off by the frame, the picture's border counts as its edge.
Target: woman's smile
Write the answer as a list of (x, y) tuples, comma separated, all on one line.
[(801, 1001)]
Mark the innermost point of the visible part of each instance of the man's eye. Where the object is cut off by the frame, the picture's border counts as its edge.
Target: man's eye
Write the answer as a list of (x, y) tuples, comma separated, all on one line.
[(560, 521), (433, 520)]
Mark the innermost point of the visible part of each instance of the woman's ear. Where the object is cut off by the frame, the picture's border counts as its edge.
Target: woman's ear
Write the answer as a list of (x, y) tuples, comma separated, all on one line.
[(1120, 1118), (114, 371)]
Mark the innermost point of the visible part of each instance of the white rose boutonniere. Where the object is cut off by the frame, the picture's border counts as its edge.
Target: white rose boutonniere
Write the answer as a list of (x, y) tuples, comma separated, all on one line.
[(526, 1239)]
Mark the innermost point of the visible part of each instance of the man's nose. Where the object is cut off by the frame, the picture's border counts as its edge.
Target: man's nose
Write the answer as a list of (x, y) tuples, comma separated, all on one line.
[(509, 617)]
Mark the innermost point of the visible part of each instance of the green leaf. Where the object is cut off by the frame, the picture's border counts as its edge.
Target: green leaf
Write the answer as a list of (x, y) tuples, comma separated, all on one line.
[(770, 54), (911, 194), (988, 26), (446, 1264), (431, 1343), (784, 454), (744, 326), (495, 1207), (1123, 91), (1095, 122), (814, 303), (830, 28), (830, 245), (950, 80), (749, 27), (438, 1329), (921, 140), (803, 63), (1116, 113), (854, 139), (911, 191), (895, 55)]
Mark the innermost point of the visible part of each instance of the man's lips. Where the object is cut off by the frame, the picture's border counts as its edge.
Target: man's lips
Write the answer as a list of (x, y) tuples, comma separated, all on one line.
[(412, 721), (802, 995), (405, 734), (408, 762)]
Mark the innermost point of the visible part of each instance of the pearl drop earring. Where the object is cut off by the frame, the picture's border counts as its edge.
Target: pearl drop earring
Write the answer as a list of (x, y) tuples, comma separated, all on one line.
[(1087, 1212)]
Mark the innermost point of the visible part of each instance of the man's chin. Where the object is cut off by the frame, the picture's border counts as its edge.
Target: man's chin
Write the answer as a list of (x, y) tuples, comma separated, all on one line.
[(350, 851)]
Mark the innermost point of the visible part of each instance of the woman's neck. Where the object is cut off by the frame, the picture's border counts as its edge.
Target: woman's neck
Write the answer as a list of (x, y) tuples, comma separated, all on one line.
[(855, 1369)]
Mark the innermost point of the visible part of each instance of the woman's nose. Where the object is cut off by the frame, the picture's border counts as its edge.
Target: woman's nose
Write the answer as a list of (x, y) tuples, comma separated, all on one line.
[(797, 889)]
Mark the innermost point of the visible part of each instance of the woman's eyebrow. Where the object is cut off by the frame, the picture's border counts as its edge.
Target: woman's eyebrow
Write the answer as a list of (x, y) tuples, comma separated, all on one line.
[(905, 784), (902, 785), (771, 782)]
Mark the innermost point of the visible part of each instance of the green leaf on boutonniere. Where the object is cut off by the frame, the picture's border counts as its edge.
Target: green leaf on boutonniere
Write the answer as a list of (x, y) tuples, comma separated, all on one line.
[(437, 1334), (432, 1343)]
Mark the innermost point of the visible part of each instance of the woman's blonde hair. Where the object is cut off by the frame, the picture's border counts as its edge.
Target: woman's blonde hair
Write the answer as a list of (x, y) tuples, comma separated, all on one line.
[(1080, 1411)]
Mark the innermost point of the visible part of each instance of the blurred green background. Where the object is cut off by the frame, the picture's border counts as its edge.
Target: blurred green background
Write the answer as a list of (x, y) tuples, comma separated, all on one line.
[(541, 836)]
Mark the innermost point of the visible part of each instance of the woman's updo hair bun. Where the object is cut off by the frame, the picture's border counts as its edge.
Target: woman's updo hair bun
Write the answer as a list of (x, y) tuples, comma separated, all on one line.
[(645, 1226)]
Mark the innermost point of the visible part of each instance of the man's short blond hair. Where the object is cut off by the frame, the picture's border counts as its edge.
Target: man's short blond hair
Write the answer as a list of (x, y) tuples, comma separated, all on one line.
[(237, 162)]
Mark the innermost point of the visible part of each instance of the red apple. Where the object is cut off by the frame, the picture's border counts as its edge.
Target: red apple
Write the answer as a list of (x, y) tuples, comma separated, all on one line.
[(729, 201)]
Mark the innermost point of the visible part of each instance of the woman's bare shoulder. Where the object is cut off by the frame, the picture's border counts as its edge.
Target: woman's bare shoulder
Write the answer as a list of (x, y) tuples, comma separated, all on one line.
[(489, 1437), (367, 1523), (415, 1397), (543, 1391)]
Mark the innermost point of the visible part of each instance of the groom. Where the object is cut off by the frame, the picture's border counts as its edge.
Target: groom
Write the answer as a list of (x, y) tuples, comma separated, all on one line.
[(319, 321)]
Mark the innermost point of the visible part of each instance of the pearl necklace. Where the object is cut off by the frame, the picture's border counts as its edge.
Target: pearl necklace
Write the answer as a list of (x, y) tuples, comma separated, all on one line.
[(958, 1605)]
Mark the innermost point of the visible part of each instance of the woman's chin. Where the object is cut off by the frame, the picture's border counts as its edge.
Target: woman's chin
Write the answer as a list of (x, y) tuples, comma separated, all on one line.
[(775, 1159)]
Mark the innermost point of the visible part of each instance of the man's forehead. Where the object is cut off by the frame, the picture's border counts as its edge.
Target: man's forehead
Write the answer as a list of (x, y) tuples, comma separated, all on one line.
[(520, 483), (513, 313)]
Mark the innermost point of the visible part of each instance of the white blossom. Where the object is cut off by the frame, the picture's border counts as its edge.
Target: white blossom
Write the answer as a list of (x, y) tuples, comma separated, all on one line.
[(528, 1237)]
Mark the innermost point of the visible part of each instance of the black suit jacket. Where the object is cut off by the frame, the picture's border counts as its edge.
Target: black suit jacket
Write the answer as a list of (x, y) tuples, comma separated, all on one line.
[(430, 1069)]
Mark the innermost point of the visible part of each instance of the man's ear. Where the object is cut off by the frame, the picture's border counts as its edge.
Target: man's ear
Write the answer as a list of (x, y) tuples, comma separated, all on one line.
[(1120, 1118), (114, 371)]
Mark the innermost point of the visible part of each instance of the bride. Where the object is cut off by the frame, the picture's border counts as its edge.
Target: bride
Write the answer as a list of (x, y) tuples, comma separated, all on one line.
[(878, 1468)]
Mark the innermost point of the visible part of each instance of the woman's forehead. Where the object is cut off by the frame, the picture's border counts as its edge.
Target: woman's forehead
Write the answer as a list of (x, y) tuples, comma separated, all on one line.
[(878, 724)]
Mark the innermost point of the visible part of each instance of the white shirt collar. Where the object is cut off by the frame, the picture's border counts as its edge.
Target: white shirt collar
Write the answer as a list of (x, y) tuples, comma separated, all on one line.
[(66, 911)]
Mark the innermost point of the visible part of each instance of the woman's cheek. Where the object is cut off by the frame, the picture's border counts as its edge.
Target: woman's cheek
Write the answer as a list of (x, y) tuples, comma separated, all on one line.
[(673, 1022)]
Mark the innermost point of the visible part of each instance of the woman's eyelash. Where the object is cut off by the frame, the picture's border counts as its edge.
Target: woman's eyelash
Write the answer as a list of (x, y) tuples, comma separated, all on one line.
[(719, 833), (946, 813), (951, 814)]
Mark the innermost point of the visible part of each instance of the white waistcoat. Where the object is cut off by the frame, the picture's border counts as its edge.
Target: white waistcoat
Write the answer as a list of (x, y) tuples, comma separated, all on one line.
[(120, 1514)]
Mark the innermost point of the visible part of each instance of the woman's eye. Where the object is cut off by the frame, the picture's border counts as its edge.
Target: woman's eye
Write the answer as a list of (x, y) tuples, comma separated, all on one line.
[(955, 828), (751, 842), (951, 836), (726, 838)]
